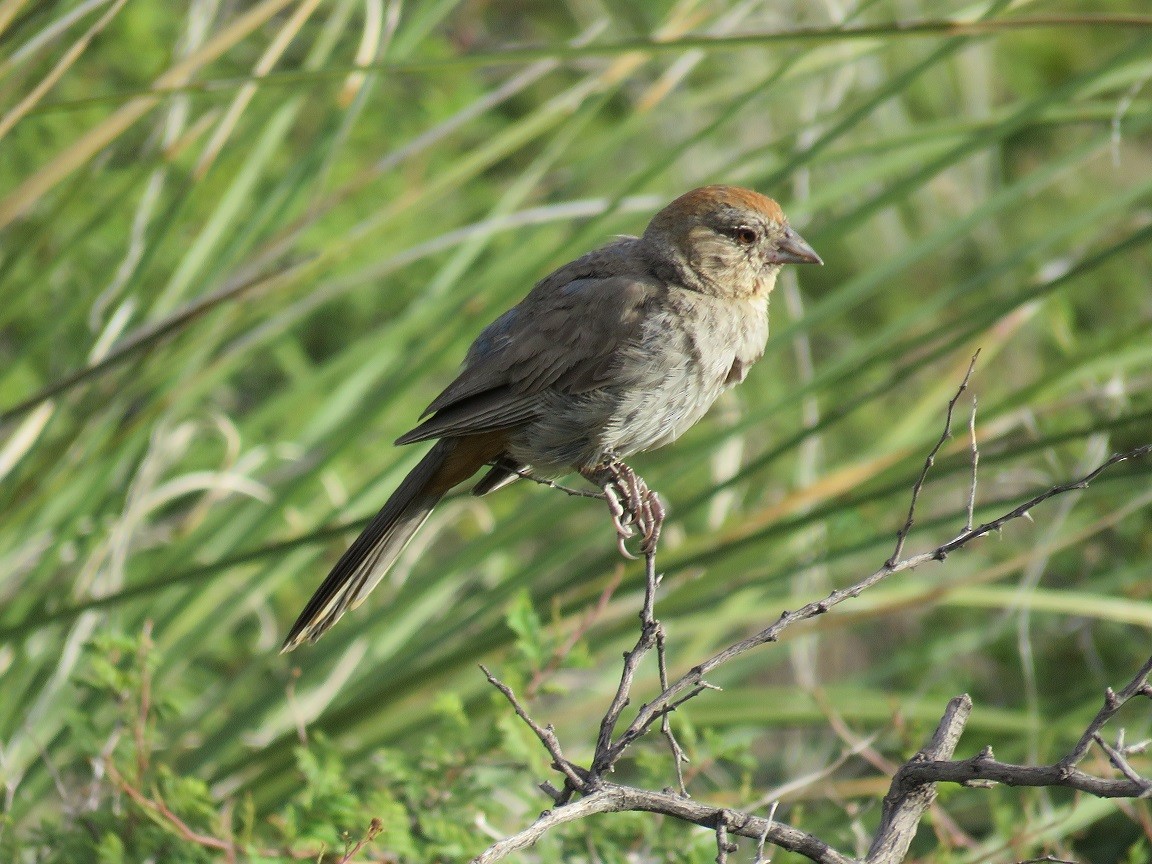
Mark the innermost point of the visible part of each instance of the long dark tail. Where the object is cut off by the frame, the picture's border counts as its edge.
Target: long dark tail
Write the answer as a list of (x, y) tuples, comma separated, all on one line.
[(362, 567)]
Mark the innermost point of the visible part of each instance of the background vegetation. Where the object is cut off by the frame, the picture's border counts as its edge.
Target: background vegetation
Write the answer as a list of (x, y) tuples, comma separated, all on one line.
[(234, 267)]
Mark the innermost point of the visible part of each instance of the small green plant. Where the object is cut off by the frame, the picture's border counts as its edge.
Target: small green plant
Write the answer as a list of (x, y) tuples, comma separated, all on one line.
[(134, 801)]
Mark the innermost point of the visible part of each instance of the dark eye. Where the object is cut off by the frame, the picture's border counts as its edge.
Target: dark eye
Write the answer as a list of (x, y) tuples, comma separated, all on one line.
[(745, 236)]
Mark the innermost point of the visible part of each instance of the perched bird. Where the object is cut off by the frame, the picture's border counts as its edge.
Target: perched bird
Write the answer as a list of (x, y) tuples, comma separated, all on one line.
[(619, 351)]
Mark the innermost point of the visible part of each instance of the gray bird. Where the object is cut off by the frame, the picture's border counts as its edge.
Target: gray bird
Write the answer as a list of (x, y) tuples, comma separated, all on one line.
[(619, 351)]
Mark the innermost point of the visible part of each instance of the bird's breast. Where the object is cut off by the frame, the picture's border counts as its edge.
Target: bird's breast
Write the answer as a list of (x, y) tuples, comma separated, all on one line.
[(689, 349)]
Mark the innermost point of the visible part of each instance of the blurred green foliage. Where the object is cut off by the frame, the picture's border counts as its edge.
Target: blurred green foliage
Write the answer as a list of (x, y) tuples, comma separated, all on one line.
[(235, 266)]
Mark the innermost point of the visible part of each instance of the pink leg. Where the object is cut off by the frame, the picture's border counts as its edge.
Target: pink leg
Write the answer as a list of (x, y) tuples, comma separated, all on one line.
[(631, 503)]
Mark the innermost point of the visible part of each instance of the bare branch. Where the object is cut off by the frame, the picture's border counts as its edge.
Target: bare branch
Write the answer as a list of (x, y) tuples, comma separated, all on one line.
[(902, 534), (723, 844), (651, 636), (679, 757), (552, 484), (974, 458), (763, 838), (1113, 702), (1119, 761), (611, 798), (695, 676), (985, 768), (913, 787), (907, 800), (606, 754), (546, 734), (965, 537)]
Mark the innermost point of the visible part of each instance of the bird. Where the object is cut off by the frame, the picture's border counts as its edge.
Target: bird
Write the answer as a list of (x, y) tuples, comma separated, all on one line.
[(617, 352)]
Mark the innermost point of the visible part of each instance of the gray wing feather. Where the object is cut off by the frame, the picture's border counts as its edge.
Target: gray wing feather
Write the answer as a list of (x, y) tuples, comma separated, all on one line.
[(484, 412), (565, 337)]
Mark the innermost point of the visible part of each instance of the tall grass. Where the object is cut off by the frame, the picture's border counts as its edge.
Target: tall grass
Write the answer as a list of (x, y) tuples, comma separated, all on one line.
[(244, 245)]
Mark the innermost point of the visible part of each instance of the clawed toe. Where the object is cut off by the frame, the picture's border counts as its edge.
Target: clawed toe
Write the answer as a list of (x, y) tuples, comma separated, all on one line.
[(633, 506), (622, 519), (651, 520)]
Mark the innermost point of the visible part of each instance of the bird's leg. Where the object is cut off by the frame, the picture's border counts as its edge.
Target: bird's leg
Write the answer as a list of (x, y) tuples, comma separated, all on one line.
[(631, 503)]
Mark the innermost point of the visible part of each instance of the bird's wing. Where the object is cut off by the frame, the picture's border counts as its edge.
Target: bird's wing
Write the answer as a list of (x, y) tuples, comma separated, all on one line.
[(568, 339)]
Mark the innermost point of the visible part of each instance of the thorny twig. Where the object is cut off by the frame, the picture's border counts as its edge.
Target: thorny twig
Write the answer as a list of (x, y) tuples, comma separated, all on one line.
[(651, 636), (902, 534), (974, 459), (693, 680), (546, 734), (552, 484), (985, 767), (913, 787), (1113, 702), (723, 844), (679, 757), (763, 838), (609, 797), (1120, 762)]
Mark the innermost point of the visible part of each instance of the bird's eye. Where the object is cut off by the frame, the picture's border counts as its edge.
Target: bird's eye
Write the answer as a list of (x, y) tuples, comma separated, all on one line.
[(745, 236)]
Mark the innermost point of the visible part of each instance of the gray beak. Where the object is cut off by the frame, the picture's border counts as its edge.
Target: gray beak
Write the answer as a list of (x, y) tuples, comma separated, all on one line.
[(792, 249)]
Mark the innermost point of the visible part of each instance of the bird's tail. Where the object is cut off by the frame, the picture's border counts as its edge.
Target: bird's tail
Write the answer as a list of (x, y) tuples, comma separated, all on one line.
[(367, 560)]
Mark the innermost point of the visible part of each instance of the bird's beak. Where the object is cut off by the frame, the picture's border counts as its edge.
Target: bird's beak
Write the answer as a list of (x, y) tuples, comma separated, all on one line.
[(792, 249)]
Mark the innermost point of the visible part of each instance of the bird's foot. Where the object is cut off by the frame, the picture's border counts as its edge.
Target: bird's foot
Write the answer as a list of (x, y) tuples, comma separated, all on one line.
[(634, 507)]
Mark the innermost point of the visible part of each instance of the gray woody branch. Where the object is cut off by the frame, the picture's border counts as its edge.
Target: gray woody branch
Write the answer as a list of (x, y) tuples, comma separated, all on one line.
[(913, 787)]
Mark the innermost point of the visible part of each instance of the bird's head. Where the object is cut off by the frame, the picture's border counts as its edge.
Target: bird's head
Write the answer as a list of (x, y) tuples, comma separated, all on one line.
[(727, 241)]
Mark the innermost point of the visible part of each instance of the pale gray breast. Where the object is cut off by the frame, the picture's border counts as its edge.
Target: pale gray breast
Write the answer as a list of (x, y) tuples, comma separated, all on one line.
[(688, 351), (717, 341)]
